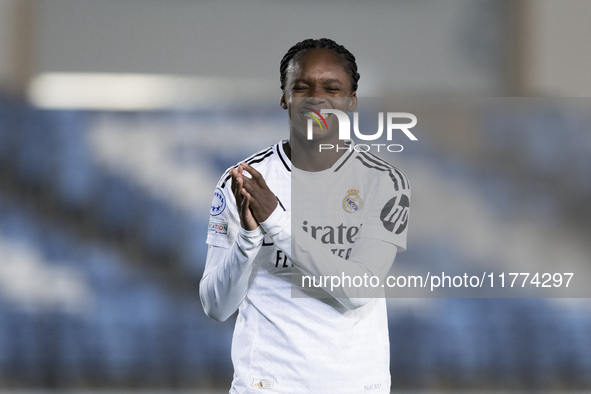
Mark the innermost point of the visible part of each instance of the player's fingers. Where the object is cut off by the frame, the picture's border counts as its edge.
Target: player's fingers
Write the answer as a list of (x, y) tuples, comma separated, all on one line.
[(247, 200), (233, 185), (237, 183), (249, 204), (252, 188), (235, 175), (255, 174), (252, 202), (240, 172), (243, 202), (250, 185), (240, 184)]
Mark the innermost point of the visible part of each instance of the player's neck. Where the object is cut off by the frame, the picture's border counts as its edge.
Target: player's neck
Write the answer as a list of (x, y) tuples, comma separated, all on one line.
[(306, 155)]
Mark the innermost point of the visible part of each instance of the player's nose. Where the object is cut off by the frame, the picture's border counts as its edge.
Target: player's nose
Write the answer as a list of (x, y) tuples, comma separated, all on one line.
[(314, 99)]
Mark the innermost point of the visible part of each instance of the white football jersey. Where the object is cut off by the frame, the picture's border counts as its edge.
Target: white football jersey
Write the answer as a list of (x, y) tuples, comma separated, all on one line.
[(310, 345)]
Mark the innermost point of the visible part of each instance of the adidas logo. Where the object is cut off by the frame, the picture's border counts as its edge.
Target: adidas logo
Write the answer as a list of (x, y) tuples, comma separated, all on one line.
[(263, 384)]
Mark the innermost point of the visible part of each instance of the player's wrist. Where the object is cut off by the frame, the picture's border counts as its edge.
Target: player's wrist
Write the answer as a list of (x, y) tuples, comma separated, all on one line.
[(276, 222), (250, 233), (269, 212), (249, 239), (249, 226)]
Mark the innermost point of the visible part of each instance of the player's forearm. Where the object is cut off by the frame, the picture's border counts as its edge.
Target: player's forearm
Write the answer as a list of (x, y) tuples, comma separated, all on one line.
[(225, 280)]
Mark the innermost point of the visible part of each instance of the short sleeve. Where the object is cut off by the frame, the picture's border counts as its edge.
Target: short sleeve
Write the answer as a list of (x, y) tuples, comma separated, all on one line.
[(388, 214), (224, 221)]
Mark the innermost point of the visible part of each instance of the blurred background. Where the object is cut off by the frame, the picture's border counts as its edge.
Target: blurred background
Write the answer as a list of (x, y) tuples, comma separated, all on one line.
[(118, 117)]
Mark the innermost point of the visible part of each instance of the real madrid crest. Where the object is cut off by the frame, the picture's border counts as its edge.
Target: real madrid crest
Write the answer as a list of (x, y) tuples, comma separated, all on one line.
[(352, 202)]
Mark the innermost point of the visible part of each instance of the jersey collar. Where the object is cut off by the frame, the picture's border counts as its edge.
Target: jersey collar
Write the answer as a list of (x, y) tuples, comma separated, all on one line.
[(284, 159)]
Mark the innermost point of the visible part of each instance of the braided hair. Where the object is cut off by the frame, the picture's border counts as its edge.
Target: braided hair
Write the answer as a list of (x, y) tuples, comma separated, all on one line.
[(324, 43)]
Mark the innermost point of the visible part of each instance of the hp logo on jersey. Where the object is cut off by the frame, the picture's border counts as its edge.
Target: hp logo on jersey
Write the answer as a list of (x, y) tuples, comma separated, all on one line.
[(394, 215), (219, 202)]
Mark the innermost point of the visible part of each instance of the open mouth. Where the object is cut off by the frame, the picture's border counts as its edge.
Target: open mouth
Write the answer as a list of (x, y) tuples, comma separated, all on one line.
[(312, 113), (321, 123)]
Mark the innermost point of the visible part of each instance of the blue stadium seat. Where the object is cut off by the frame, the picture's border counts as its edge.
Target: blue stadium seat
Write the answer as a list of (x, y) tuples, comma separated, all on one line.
[(77, 174)]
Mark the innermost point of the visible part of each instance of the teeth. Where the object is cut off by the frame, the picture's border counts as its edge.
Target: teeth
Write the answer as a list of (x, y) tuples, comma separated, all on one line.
[(312, 113)]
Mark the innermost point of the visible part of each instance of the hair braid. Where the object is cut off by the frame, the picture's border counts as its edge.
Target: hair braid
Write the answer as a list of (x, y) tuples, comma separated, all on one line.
[(324, 43)]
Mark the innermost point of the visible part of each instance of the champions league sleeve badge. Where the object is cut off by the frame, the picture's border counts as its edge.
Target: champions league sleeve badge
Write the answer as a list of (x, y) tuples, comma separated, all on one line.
[(352, 202), (219, 202)]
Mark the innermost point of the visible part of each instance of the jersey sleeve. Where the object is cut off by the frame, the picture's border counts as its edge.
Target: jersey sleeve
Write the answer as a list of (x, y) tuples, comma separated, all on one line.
[(389, 207), (227, 271), (224, 221), (230, 255)]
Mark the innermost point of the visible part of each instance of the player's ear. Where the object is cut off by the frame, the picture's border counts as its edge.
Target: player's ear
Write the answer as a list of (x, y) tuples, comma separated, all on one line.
[(352, 102), (282, 102)]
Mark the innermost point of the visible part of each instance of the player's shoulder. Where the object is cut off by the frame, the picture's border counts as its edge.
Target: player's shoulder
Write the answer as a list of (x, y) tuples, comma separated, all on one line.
[(258, 160), (374, 167)]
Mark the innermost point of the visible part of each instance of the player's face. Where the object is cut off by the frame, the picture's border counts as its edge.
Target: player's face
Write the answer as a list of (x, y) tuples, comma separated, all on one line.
[(315, 80)]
